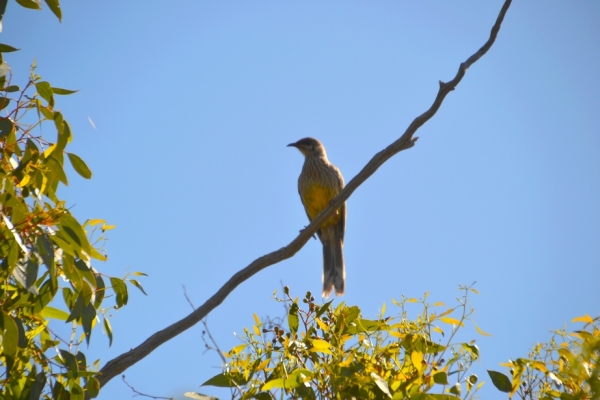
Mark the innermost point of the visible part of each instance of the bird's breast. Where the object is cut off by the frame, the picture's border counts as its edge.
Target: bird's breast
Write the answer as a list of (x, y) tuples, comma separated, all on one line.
[(315, 198)]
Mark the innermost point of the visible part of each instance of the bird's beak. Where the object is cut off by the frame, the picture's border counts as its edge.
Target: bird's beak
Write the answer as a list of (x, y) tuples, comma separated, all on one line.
[(292, 145)]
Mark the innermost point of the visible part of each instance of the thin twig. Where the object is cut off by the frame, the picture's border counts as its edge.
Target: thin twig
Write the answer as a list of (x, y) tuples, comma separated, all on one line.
[(214, 346), (138, 393), (120, 363)]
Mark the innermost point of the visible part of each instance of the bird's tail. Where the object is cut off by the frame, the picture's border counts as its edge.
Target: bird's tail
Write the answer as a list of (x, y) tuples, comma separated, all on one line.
[(334, 272)]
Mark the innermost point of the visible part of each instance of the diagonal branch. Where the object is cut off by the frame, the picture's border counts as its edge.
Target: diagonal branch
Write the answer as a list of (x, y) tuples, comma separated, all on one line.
[(119, 364)]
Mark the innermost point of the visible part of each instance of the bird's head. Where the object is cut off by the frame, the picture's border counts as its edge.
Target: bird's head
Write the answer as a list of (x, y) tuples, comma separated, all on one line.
[(309, 146)]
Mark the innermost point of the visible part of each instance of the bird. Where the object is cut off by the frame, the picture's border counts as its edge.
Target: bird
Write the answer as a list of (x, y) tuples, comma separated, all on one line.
[(319, 182)]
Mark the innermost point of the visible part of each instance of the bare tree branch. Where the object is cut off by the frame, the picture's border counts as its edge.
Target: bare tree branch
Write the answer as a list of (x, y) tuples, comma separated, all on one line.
[(120, 363)]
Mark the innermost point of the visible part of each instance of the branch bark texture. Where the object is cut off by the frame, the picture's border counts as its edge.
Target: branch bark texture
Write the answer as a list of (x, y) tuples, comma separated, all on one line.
[(120, 363)]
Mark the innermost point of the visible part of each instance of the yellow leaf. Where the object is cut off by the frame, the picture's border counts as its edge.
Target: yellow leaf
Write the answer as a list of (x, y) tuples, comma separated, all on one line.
[(480, 331), (108, 227), (383, 309), (451, 321), (256, 319), (345, 338), (94, 222), (321, 324), (411, 300), (321, 346), (44, 183), (263, 364), (25, 180), (395, 302), (438, 330), (417, 359), (348, 360), (237, 349), (540, 366), (49, 150), (398, 335), (448, 311), (256, 330), (474, 291), (439, 304), (583, 318)]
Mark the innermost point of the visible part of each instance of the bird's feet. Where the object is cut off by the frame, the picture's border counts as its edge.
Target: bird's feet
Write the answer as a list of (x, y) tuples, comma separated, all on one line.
[(313, 235)]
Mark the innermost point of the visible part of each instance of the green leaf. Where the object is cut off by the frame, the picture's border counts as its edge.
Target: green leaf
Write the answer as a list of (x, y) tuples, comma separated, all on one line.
[(75, 231), (85, 272), (293, 321), (10, 335), (120, 290), (441, 378), (4, 48), (79, 166), (87, 318), (138, 285), (4, 101), (51, 312), (26, 274), (456, 389), (324, 308), (69, 361), (220, 380), (29, 4), (100, 291), (274, 383), (56, 170), (45, 249), (6, 127), (501, 381), (364, 325), (472, 348), (70, 271), (63, 92), (12, 89), (76, 391), (45, 90), (22, 338), (77, 309), (92, 387), (351, 313), (37, 386), (297, 378), (108, 330), (54, 6)]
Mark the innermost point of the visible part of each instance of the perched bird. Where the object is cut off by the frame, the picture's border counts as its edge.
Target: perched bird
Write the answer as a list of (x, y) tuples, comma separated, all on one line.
[(319, 182)]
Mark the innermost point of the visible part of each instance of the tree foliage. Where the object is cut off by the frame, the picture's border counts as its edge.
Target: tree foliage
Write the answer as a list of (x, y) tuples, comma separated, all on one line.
[(46, 255), (329, 352), (564, 368)]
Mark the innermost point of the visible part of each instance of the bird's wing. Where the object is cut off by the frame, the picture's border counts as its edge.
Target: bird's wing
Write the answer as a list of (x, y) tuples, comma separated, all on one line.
[(308, 215), (341, 225)]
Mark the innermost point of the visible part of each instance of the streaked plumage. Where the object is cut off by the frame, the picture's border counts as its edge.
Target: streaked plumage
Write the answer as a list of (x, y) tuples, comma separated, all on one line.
[(319, 182)]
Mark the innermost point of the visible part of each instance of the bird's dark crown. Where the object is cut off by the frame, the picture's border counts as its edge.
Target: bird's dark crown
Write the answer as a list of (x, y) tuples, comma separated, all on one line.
[(307, 143)]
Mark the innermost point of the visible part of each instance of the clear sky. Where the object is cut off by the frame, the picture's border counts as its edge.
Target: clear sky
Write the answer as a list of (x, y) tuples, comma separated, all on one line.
[(194, 103)]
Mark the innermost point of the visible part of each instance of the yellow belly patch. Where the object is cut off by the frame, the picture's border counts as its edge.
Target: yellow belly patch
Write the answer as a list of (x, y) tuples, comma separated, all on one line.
[(315, 199)]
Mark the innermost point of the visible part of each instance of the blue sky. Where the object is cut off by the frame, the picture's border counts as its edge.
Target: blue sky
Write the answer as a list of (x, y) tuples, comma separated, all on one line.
[(194, 103)]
